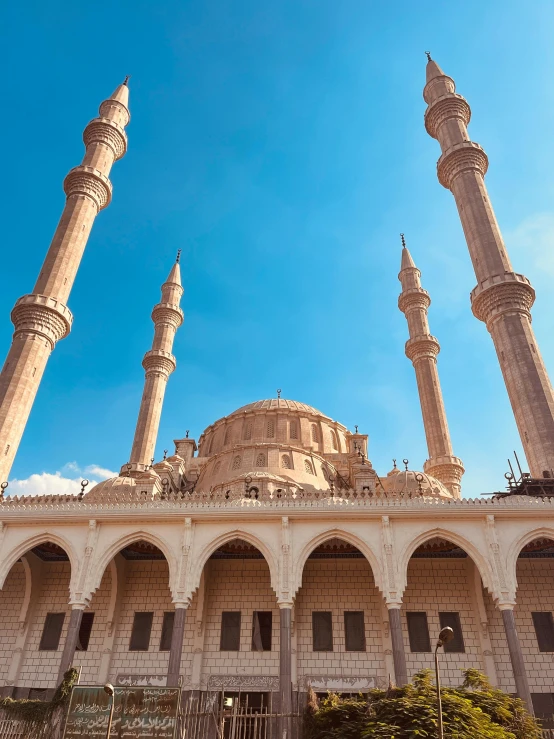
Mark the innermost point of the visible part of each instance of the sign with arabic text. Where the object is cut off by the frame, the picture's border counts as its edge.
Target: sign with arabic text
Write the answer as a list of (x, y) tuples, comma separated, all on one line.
[(139, 713)]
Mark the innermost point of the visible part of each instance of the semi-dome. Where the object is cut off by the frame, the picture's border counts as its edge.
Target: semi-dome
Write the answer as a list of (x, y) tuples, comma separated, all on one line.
[(413, 484), (107, 489)]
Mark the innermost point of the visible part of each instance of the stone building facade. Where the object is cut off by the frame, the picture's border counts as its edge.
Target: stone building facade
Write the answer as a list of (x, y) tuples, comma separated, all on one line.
[(269, 555)]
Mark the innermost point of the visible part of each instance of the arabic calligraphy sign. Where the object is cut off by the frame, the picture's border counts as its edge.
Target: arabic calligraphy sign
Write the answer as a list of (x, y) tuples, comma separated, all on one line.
[(139, 713)]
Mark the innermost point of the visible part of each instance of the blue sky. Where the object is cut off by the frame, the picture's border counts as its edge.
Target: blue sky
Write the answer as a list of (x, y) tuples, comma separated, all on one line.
[(281, 146)]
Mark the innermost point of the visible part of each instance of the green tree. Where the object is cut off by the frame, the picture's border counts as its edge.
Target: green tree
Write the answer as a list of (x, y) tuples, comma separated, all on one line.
[(475, 709)]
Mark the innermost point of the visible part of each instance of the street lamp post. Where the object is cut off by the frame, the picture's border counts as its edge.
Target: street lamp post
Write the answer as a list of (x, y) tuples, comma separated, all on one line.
[(108, 687), (446, 635)]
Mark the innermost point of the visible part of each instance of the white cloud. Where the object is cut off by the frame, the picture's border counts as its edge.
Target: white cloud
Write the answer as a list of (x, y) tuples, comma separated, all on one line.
[(534, 237), (61, 482)]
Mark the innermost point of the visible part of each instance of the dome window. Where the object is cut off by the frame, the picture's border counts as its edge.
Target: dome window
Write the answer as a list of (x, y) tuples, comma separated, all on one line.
[(260, 460), (227, 435), (293, 430), (236, 463), (285, 462), (315, 433), (271, 429), (308, 467), (248, 430)]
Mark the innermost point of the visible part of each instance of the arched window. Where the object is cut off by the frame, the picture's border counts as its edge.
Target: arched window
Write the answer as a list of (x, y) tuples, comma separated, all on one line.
[(260, 460), (248, 430), (270, 428), (315, 433), (293, 430), (308, 467), (285, 462), (236, 463)]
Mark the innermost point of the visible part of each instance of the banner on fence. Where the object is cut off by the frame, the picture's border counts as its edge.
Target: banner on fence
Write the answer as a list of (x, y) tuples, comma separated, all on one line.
[(143, 713)]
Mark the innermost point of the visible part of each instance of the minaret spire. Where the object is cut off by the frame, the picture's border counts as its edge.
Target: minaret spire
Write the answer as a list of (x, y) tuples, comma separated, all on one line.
[(42, 318), (158, 363), (502, 298), (422, 349)]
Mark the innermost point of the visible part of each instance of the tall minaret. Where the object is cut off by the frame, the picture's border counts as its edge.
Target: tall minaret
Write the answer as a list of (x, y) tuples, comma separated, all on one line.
[(42, 318), (422, 349), (502, 298), (158, 363)]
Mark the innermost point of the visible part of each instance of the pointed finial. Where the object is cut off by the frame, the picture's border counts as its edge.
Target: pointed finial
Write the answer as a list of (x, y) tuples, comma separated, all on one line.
[(126, 80), (394, 463), (356, 427), (403, 241), (279, 392), (187, 434), (406, 463), (428, 54), (178, 256), (165, 453)]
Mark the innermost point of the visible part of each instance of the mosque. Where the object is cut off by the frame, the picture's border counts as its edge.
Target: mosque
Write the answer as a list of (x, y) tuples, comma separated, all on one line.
[(269, 556)]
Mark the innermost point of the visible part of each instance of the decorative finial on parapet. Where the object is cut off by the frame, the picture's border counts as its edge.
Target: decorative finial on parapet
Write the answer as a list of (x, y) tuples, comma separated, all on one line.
[(165, 453), (394, 463), (178, 256), (3, 487), (126, 80), (187, 434), (356, 428), (84, 483), (279, 392), (403, 241), (406, 463), (428, 54)]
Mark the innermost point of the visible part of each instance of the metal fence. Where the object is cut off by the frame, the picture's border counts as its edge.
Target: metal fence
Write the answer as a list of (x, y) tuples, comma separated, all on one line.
[(16, 729)]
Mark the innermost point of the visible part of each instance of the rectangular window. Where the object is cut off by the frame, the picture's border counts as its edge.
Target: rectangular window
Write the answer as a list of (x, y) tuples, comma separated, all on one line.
[(418, 631), (354, 631), (544, 709), (261, 631), (51, 632), (544, 629), (87, 620), (230, 631), (322, 631), (452, 619), (167, 631), (142, 628)]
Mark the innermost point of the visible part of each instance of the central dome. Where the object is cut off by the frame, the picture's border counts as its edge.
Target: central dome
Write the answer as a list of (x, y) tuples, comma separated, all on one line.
[(278, 404)]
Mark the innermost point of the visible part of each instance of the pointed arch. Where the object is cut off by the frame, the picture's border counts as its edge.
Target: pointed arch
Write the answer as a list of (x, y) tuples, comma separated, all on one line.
[(336, 533), (34, 541), (115, 547), (542, 532), (213, 546), (479, 559)]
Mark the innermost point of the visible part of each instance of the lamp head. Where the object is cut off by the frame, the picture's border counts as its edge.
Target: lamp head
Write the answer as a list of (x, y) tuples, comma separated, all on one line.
[(108, 687), (446, 635)]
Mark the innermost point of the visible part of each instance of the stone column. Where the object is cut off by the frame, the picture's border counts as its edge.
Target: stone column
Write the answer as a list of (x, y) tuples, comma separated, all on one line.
[(516, 656), (71, 639), (176, 651), (397, 638), (285, 667)]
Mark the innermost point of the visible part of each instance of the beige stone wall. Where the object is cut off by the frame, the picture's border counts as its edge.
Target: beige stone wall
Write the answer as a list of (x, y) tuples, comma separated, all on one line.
[(146, 589), (535, 593), (239, 585), (442, 585), (339, 585), (11, 600), (40, 669), (90, 660)]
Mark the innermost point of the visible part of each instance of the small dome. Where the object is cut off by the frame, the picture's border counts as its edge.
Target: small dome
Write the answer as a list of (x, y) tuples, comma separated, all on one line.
[(107, 487), (413, 484)]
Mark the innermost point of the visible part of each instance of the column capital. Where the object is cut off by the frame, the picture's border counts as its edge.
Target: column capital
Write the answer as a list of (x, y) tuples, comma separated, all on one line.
[(501, 294), (444, 108), (107, 132), (285, 604), (465, 156), (506, 606), (393, 604), (90, 183), (185, 604), (42, 315)]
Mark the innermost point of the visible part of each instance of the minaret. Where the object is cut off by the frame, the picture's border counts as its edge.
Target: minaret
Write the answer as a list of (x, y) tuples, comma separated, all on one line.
[(42, 318), (422, 349), (158, 363), (502, 298)]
